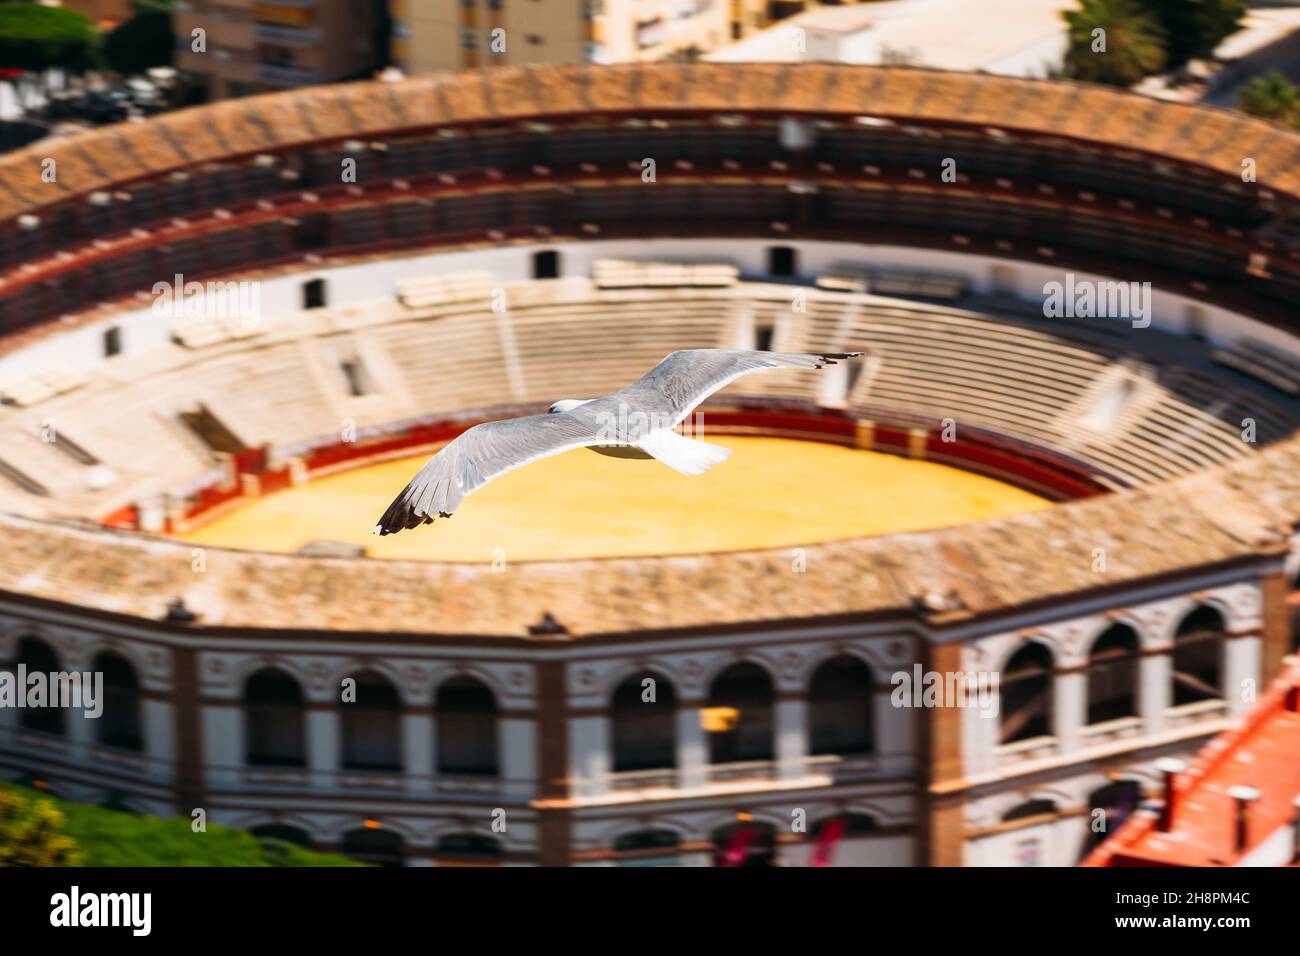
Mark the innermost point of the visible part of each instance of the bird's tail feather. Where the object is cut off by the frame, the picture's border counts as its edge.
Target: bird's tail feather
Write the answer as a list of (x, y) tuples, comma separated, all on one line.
[(686, 455)]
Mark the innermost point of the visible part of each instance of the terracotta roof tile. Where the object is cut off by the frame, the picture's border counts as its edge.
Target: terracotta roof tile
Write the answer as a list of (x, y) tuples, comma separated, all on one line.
[(1195, 135), (1229, 513)]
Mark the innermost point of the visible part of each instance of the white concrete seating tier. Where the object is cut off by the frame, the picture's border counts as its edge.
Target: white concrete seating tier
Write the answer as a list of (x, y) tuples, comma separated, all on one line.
[(473, 345), (624, 274)]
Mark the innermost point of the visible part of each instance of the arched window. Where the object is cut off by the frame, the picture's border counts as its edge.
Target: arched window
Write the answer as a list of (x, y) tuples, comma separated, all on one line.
[(851, 824), (834, 839), (467, 728), (119, 724), (468, 848), (650, 847), (1116, 800), (1027, 694), (377, 847), (1028, 850), (746, 843), (840, 701), (642, 840), (1112, 675), (372, 725), (741, 702), (283, 833), (273, 716), (1030, 809), (40, 658), (1198, 657), (643, 719)]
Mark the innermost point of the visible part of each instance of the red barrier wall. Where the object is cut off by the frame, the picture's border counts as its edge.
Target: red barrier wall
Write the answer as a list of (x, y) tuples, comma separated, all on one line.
[(1034, 470)]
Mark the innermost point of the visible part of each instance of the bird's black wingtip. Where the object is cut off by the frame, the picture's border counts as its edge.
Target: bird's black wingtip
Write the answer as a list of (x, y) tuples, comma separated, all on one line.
[(833, 358), (404, 519)]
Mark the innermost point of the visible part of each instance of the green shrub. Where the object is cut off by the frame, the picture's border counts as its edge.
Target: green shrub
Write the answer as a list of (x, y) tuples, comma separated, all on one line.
[(112, 838), (35, 37), (32, 833)]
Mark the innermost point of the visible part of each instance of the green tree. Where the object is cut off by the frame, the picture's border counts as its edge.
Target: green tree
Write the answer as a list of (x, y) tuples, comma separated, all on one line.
[(143, 42), (37, 38), (1272, 96), (104, 837), (1193, 28), (31, 833), (1130, 47)]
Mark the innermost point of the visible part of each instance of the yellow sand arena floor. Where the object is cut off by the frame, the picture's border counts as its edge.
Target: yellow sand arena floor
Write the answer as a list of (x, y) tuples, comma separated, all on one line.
[(770, 493)]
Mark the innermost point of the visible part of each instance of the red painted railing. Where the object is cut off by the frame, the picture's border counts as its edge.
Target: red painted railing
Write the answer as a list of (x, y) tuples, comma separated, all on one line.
[(1035, 470)]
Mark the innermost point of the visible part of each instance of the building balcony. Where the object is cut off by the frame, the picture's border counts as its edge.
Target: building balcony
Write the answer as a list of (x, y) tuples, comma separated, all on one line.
[(672, 783), (468, 785), (376, 783), (287, 75), (1202, 711), (49, 752), (291, 779), (287, 36), (1111, 731), (221, 34), (742, 772)]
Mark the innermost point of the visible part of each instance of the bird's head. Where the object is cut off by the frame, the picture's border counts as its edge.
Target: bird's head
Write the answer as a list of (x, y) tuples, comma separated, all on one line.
[(566, 405)]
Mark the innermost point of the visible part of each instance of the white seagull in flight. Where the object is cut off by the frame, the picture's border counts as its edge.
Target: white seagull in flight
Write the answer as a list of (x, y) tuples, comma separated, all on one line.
[(634, 422)]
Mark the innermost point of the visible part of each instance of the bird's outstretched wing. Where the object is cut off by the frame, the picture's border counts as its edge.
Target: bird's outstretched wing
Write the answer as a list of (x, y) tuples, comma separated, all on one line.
[(477, 456), (687, 377)]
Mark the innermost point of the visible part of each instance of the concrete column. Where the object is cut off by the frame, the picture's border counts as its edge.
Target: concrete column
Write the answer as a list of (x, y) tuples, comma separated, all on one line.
[(417, 751), (159, 737), (1241, 663), (589, 758), (1155, 691), (791, 737), (893, 728), (433, 746), (222, 726), (692, 747), (81, 730), (518, 757), (9, 715), (323, 745), (980, 731), (1069, 708)]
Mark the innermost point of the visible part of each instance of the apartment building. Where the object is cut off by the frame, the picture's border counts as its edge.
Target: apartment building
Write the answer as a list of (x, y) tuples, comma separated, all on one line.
[(241, 47), (430, 35)]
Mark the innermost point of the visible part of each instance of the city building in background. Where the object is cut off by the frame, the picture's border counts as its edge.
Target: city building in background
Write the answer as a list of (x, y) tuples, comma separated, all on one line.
[(253, 47), (1011, 37), (103, 13), (431, 35)]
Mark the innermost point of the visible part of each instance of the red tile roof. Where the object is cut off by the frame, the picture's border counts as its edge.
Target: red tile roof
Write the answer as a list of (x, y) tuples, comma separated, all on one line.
[(1091, 116), (1263, 752)]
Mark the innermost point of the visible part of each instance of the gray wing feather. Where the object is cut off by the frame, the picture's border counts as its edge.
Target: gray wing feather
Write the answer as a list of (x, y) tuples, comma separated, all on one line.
[(687, 377), (477, 456)]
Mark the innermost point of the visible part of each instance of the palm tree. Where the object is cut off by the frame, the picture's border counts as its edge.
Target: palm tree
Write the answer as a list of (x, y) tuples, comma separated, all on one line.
[(1193, 28), (1272, 96), (1132, 45)]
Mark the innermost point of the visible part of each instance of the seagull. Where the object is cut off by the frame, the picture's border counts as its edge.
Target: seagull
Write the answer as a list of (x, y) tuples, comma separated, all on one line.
[(635, 422)]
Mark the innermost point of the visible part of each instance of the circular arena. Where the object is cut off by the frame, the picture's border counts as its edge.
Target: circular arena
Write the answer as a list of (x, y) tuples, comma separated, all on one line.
[(1068, 461)]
